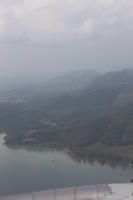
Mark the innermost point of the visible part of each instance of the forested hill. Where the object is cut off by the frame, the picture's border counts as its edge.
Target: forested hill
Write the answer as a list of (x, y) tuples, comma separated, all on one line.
[(105, 91), (72, 81), (96, 120)]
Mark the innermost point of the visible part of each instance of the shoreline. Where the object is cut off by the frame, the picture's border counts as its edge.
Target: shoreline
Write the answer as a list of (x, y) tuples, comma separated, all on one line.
[(77, 155), (94, 152)]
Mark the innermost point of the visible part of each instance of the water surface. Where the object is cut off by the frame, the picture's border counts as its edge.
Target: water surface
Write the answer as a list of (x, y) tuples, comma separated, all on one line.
[(23, 170)]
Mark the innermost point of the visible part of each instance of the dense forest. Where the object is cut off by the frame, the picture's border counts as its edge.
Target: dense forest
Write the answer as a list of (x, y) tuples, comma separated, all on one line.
[(88, 113)]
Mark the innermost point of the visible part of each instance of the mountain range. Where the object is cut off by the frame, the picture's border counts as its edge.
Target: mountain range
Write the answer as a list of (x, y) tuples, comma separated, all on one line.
[(87, 112)]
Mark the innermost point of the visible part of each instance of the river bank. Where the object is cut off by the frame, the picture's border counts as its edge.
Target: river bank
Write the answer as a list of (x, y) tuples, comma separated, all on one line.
[(117, 155)]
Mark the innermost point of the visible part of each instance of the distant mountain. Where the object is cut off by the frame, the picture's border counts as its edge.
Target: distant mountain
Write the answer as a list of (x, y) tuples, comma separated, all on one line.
[(71, 81), (91, 111), (99, 114), (104, 90), (122, 78)]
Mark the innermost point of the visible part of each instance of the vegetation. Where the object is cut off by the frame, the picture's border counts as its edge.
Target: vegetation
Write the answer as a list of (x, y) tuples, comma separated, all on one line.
[(95, 121)]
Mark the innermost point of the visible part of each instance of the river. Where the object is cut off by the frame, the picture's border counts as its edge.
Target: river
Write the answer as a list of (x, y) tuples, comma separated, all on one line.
[(26, 170)]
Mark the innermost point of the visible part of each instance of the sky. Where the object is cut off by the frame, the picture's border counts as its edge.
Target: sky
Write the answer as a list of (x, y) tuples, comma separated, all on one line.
[(48, 37)]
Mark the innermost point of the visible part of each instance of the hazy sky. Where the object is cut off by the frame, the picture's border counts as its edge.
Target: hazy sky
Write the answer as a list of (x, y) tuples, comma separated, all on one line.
[(48, 36)]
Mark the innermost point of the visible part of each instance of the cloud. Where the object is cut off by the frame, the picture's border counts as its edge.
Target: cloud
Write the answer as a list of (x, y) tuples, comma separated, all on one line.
[(48, 21)]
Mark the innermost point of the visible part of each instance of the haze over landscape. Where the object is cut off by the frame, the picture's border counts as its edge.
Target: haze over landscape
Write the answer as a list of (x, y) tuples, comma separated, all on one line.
[(66, 93), (56, 36)]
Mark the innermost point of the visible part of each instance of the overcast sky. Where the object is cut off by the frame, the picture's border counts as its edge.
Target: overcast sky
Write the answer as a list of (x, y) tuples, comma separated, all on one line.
[(48, 36)]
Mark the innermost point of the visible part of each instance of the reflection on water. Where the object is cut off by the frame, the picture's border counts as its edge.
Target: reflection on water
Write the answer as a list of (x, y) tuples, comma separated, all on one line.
[(33, 169)]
